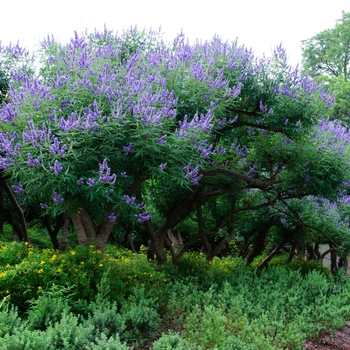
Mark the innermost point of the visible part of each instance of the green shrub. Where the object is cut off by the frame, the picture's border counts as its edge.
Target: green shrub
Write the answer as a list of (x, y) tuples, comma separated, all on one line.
[(10, 322), (104, 343), (140, 316), (25, 340), (69, 333), (234, 343), (48, 308), (173, 341)]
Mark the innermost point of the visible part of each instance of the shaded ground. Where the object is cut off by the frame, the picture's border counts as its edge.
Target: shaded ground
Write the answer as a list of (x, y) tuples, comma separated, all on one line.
[(338, 340)]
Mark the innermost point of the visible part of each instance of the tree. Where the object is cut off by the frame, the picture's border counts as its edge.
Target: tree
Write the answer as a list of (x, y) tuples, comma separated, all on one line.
[(328, 52), (326, 56), (168, 133)]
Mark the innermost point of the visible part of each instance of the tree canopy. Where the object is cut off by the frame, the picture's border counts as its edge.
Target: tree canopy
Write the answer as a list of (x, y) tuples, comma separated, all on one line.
[(153, 137)]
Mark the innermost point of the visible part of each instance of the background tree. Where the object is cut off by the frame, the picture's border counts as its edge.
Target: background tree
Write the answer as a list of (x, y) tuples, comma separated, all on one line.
[(326, 56), (328, 52)]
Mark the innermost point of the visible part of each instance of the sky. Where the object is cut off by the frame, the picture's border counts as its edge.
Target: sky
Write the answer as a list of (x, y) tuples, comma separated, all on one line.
[(258, 24)]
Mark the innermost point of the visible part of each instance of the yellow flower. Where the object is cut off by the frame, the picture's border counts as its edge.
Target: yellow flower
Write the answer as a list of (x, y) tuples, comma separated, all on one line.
[(53, 258), (72, 252), (59, 270), (82, 263), (42, 262), (39, 287), (40, 270), (26, 243), (7, 291), (100, 264), (2, 274)]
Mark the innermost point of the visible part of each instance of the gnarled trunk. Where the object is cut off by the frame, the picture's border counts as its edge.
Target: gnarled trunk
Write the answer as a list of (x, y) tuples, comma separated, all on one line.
[(86, 232)]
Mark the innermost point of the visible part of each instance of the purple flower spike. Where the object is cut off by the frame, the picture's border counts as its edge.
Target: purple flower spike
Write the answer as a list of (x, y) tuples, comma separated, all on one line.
[(128, 148), (57, 198), (56, 168), (90, 182), (142, 217), (18, 188), (162, 166), (129, 200), (112, 217), (262, 107)]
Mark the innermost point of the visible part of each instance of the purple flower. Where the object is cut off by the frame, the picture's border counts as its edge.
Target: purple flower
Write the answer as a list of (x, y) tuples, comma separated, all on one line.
[(129, 200), (43, 205), (161, 140), (162, 166), (298, 124), (18, 188), (128, 148), (123, 174), (142, 217), (105, 173), (192, 175), (90, 182), (112, 217), (286, 122), (206, 152), (56, 168), (283, 222), (262, 107), (33, 162), (57, 198), (80, 181)]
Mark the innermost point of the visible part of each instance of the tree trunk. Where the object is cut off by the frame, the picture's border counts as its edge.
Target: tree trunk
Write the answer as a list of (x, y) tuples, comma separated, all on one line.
[(65, 230), (259, 242), (86, 232), (22, 229), (289, 236), (156, 244)]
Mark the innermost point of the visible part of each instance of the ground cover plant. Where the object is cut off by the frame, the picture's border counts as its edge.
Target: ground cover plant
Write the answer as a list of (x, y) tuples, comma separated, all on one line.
[(77, 299)]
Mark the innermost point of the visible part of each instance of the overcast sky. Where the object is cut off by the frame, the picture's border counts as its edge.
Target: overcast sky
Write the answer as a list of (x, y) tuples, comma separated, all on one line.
[(258, 24)]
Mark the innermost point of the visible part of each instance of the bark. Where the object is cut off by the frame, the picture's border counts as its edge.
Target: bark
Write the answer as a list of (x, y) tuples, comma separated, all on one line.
[(291, 253), (156, 244), (289, 236), (65, 230), (86, 232), (22, 231), (222, 244), (102, 235), (334, 266), (53, 232), (259, 242), (204, 238)]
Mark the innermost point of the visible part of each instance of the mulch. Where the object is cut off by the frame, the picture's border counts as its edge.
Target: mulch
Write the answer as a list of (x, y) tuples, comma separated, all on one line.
[(337, 340)]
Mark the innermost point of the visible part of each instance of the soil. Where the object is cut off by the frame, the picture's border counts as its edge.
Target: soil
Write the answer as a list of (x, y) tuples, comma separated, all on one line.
[(338, 340)]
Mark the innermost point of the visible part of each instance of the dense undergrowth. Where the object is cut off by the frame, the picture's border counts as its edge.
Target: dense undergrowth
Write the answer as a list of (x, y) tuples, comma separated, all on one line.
[(79, 300)]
